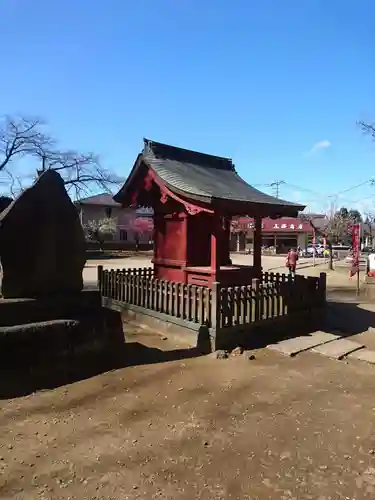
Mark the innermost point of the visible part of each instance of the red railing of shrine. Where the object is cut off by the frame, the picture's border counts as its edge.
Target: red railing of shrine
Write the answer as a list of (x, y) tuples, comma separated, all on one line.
[(274, 295)]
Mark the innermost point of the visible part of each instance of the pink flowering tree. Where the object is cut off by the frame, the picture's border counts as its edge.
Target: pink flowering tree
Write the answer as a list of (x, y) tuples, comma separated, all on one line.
[(139, 226), (142, 226)]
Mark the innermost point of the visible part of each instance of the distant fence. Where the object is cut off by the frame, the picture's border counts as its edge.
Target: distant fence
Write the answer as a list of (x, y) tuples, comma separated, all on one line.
[(220, 308), (110, 245)]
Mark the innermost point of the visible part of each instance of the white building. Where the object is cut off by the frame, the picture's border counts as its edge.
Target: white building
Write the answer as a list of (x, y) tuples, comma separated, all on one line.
[(131, 224)]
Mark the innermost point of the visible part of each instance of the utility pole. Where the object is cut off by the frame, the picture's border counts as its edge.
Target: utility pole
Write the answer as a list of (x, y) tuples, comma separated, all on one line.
[(276, 187), (332, 204)]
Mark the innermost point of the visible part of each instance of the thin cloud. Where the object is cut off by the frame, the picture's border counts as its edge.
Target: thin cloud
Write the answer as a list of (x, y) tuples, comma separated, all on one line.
[(317, 146), (296, 196)]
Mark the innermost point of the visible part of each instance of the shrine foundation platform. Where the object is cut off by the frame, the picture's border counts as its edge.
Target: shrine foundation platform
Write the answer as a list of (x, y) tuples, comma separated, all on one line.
[(230, 275), (217, 316)]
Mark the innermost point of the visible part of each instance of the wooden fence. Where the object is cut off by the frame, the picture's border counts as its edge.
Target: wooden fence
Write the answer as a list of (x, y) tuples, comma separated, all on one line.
[(274, 295), (138, 287)]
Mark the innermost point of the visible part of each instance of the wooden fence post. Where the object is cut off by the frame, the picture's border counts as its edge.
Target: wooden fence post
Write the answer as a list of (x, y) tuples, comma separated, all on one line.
[(215, 305), (100, 278), (215, 314), (255, 283)]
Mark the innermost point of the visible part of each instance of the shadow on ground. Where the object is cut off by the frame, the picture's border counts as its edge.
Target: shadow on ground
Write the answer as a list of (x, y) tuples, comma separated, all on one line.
[(282, 329), (346, 313), (342, 316), (18, 382)]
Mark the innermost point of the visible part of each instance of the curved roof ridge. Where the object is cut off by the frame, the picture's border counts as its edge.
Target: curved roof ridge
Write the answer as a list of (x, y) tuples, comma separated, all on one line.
[(168, 152), (201, 178)]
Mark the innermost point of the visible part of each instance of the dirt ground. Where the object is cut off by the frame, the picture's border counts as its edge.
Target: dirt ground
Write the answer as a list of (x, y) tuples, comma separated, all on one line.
[(143, 259), (168, 424), (173, 425)]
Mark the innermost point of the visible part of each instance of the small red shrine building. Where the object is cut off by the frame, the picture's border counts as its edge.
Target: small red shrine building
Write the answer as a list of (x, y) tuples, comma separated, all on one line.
[(194, 197)]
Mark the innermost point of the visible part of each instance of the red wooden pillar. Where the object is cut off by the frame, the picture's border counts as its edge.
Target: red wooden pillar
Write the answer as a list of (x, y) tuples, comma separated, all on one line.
[(185, 242), (215, 245), (257, 257)]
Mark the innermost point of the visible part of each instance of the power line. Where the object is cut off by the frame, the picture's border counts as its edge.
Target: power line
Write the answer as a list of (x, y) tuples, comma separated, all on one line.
[(333, 197), (347, 200), (299, 188), (276, 187), (369, 181), (261, 185)]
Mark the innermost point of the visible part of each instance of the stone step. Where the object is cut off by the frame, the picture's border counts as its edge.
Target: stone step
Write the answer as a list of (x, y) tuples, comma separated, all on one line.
[(338, 349), (295, 345), (49, 308), (363, 355)]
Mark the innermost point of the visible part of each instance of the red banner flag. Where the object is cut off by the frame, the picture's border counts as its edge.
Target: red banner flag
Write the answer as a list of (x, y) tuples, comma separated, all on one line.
[(355, 249)]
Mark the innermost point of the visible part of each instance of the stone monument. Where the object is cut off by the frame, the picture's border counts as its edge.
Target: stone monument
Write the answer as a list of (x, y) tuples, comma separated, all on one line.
[(42, 244), (45, 312)]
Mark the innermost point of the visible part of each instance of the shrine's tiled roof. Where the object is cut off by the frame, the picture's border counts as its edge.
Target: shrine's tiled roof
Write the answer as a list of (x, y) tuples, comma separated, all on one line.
[(203, 177)]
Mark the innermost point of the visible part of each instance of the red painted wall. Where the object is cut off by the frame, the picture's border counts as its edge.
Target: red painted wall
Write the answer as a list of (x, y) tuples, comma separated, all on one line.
[(175, 243), (170, 238), (169, 273), (170, 246), (200, 228), (183, 240), (199, 239)]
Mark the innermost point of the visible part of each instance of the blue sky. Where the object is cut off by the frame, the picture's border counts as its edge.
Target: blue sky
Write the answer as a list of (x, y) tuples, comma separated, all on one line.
[(276, 85)]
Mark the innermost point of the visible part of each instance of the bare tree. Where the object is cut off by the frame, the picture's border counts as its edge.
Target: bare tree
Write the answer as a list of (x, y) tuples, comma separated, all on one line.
[(335, 227), (369, 221), (367, 128), (25, 137), (98, 230), (81, 172), (20, 136)]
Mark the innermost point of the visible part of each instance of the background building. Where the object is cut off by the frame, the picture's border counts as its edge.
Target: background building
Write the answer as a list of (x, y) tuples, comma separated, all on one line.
[(281, 234), (130, 224)]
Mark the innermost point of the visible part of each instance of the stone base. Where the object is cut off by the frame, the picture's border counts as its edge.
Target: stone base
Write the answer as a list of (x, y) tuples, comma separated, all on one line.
[(21, 311), (34, 331), (207, 340), (191, 334)]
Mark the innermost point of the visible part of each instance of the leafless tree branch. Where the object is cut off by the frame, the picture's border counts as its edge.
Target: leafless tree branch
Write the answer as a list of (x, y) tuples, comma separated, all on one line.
[(367, 128), (336, 226), (20, 137), (81, 172), (15, 186)]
